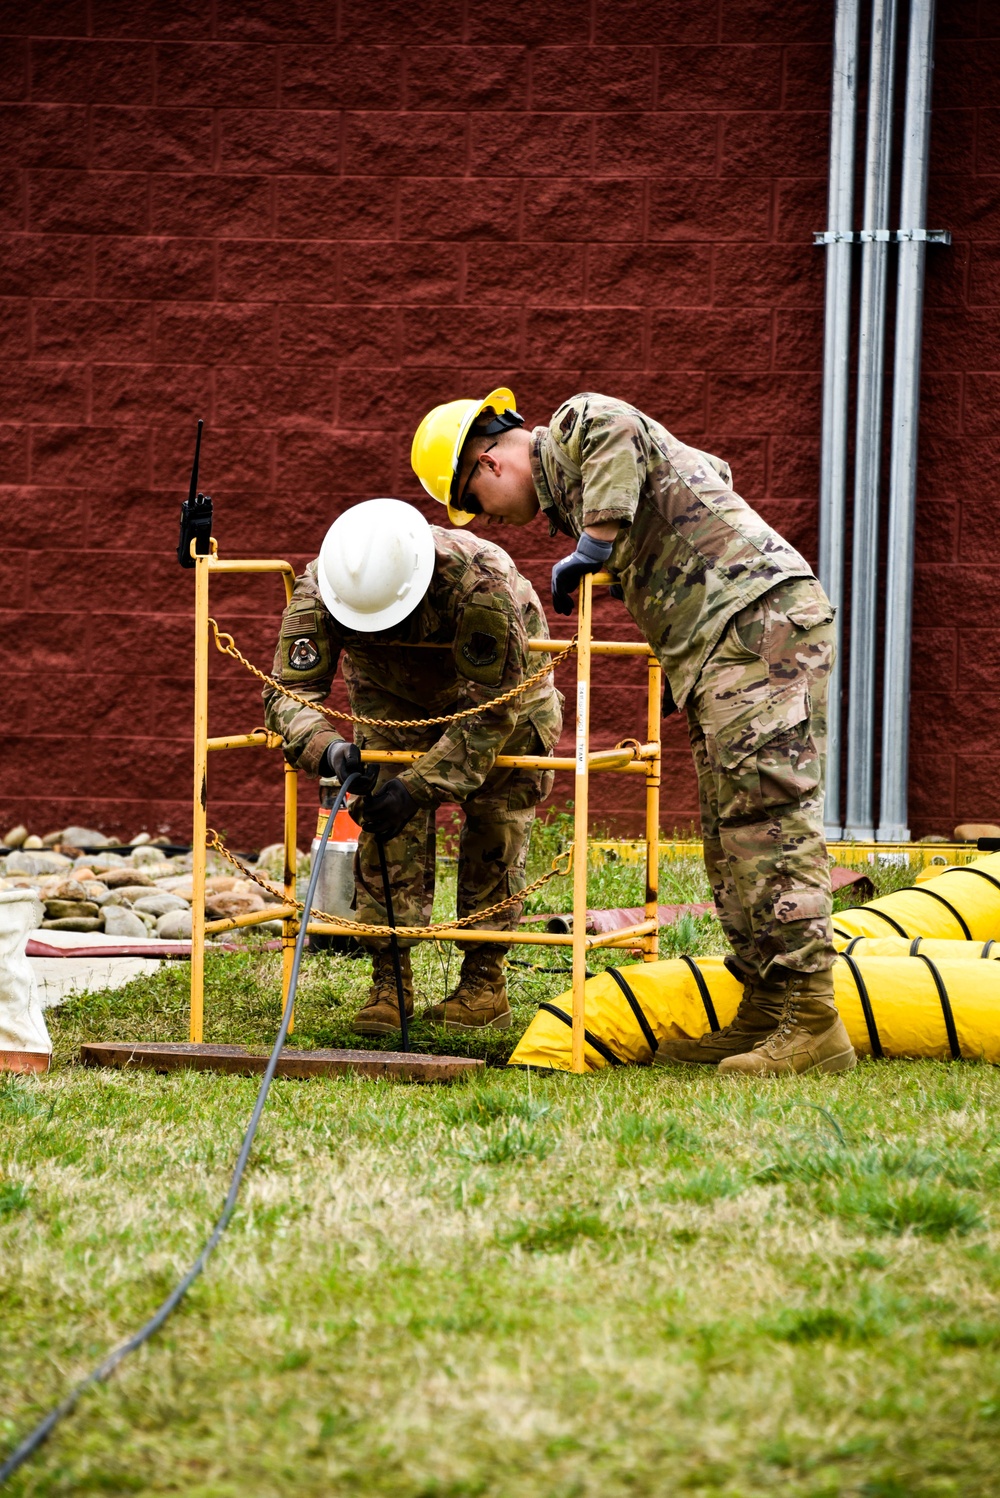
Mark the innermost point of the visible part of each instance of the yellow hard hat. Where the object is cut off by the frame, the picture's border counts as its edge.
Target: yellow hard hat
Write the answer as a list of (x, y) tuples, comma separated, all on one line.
[(438, 440)]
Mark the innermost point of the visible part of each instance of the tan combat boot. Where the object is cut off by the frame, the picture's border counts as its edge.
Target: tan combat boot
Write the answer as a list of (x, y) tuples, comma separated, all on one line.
[(810, 1037), (380, 1016), (756, 1018), (481, 996)]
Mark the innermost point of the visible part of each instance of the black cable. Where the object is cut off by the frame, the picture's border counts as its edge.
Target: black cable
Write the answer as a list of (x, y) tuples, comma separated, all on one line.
[(393, 940), (44, 1429)]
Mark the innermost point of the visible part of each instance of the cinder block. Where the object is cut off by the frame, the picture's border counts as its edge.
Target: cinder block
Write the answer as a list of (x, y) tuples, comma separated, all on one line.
[(937, 532), (747, 458), (663, 21), (79, 72), (334, 462), (965, 595), (394, 399), (226, 333), (400, 273), (595, 79), (277, 20), (255, 140), (564, 209), (726, 78), (74, 455), (367, 25), (275, 271), (953, 141), (774, 21), (150, 393), (15, 329), (43, 265), (443, 335), (763, 142), (155, 269), (294, 396), (224, 206), (794, 470), (761, 275), (808, 70), (107, 630), (941, 404), (650, 275), (405, 145), (13, 70), (491, 77), (118, 331), (655, 145), (934, 661), (527, 275), (72, 590), (953, 278), (336, 208), (88, 202), (44, 135), (147, 766), (801, 208), (710, 340), (573, 336), (784, 403), (13, 454), (446, 208), (239, 460), (337, 335), (693, 209), (12, 201), (40, 641), (980, 535), (151, 140), (342, 77), (46, 392), (531, 145), (798, 339), (222, 75), (156, 20)]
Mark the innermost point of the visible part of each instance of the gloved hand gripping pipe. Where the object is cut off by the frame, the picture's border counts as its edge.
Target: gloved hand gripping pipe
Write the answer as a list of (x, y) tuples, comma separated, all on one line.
[(43, 1430)]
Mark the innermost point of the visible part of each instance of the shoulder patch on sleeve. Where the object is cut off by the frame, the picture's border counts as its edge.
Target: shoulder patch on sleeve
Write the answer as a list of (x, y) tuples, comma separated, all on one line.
[(481, 646), (305, 649), (568, 421)]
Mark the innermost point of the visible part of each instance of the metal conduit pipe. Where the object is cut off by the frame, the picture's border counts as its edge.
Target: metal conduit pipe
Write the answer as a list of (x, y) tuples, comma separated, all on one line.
[(874, 236), (836, 363), (905, 413)]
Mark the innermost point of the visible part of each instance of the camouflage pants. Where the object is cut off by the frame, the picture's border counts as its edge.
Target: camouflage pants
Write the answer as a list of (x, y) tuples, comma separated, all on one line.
[(492, 850), (757, 724)]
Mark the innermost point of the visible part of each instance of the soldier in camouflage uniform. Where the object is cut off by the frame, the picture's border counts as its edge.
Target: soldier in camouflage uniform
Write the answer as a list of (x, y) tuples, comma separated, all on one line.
[(480, 612), (743, 631)]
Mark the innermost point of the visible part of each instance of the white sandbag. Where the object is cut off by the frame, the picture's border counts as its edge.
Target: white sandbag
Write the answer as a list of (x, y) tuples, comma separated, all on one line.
[(24, 1038)]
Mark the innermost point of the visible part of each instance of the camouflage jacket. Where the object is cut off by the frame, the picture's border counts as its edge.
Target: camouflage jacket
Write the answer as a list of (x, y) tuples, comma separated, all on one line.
[(481, 610), (690, 552)]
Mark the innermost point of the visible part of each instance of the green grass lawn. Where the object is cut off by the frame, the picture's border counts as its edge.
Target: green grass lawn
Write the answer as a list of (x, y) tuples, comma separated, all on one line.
[(640, 1282)]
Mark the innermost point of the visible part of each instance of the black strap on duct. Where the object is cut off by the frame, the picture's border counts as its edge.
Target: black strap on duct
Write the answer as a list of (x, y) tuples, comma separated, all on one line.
[(921, 889), (592, 1040), (866, 1008), (874, 910), (914, 946), (979, 873), (706, 997), (986, 949), (636, 1008), (946, 1010), (853, 943)]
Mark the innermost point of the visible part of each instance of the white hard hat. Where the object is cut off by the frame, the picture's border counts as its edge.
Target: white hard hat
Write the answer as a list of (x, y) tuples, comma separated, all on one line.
[(375, 564)]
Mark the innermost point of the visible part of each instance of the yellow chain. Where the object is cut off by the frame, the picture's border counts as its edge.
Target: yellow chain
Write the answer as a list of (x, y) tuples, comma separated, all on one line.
[(227, 646), (363, 928)]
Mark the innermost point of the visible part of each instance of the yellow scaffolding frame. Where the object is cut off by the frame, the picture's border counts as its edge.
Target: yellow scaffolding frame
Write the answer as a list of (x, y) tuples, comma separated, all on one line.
[(627, 761)]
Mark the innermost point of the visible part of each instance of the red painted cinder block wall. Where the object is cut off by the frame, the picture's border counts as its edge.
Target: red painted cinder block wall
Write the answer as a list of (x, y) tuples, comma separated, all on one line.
[(307, 222)]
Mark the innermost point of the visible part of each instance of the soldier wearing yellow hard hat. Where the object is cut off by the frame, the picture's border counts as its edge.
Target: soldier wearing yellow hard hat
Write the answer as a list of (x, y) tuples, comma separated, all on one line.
[(743, 632)]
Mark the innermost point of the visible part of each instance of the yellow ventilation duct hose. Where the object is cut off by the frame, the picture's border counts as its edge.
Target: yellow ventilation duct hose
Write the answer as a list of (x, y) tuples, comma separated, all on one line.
[(960, 904), (926, 946), (892, 1006)]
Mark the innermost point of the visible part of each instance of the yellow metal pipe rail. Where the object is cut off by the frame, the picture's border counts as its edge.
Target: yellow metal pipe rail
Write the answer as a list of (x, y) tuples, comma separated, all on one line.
[(643, 759)]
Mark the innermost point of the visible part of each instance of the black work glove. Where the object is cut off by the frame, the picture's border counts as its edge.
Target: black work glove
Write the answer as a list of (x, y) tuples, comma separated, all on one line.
[(589, 556), (388, 811)]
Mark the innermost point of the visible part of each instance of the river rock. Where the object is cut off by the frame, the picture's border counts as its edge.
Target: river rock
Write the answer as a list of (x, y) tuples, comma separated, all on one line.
[(133, 892), (119, 921), (971, 832), (15, 837), (158, 904), (35, 863), (149, 857), (102, 862), (57, 910), (119, 878), (84, 837), (32, 843), (140, 840), (74, 923), (225, 907), (175, 925)]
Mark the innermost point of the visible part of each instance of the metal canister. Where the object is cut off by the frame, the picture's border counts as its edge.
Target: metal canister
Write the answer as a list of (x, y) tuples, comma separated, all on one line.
[(335, 890)]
